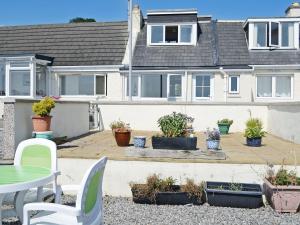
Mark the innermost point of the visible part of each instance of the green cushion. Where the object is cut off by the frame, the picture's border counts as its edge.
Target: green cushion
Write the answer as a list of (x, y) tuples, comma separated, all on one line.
[(92, 193), (36, 156)]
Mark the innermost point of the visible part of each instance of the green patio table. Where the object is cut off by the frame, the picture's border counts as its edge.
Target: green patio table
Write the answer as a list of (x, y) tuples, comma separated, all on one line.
[(19, 179)]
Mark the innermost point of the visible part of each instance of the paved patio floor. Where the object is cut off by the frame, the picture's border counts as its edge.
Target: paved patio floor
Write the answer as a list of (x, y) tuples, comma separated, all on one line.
[(274, 150)]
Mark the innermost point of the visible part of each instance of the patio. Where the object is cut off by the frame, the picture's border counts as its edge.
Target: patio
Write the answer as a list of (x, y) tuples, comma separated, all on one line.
[(274, 150)]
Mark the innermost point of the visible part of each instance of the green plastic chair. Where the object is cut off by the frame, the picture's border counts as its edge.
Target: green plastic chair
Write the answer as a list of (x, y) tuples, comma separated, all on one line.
[(38, 152), (88, 209)]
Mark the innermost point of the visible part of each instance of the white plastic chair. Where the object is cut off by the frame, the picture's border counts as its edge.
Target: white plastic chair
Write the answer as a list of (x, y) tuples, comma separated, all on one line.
[(40, 153), (88, 209)]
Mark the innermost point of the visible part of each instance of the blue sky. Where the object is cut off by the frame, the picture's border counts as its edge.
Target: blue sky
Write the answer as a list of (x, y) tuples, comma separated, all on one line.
[(15, 12)]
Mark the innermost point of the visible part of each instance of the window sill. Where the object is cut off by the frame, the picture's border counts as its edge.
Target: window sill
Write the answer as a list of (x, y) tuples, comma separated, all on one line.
[(234, 95)]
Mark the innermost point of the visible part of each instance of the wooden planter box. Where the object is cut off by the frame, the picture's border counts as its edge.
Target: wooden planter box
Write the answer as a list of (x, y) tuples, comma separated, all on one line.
[(249, 197), (284, 199), (176, 143), (167, 198)]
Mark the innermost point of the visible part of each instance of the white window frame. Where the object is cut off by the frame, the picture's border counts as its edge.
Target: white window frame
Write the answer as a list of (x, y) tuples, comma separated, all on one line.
[(270, 34), (238, 84), (211, 97), (274, 86), (168, 86), (83, 96), (193, 34)]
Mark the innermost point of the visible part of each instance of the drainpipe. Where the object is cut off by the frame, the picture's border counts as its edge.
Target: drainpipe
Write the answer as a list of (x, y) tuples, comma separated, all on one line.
[(130, 49), (226, 83), (186, 85)]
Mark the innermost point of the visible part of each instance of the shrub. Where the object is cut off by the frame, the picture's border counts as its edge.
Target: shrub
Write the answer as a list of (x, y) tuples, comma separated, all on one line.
[(119, 126), (175, 124), (225, 122), (284, 177), (254, 128), (193, 189), (43, 108), (213, 134)]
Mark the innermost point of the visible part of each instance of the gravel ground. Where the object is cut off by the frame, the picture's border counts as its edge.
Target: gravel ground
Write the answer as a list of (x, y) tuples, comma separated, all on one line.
[(122, 211)]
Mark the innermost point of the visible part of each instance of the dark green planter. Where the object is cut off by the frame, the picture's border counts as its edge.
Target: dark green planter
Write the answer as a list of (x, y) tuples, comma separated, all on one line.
[(223, 128)]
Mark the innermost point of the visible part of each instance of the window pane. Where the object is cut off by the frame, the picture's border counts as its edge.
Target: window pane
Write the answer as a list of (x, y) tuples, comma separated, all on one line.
[(19, 83), (283, 86), (233, 84), (2, 80), (157, 34), (76, 85), (19, 64), (199, 80), (186, 33), (100, 85), (264, 86), (175, 86), (206, 80), (203, 86), (134, 86), (287, 34), (274, 33), (260, 35), (154, 86), (40, 80), (171, 34)]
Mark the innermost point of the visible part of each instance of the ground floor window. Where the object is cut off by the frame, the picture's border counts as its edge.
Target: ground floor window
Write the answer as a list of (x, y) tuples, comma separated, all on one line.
[(276, 86), (19, 83), (155, 86), (234, 84), (202, 86), (89, 85), (2, 80), (41, 80)]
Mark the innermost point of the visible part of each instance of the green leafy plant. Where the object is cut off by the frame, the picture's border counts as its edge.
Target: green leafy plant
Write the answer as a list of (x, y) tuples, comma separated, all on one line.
[(225, 122), (175, 124), (43, 107), (254, 128), (283, 177)]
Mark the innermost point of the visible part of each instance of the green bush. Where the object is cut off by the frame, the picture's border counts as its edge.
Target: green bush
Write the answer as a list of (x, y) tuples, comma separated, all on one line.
[(43, 108), (254, 128), (225, 122), (284, 177), (175, 124)]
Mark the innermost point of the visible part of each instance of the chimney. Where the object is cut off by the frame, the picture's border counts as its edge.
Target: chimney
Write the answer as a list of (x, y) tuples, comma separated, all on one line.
[(137, 19), (293, 10)]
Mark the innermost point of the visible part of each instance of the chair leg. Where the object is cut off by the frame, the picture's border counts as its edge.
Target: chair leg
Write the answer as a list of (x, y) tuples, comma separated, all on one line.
[(58, 193), (1, 200), (19, 204), (40, 194)]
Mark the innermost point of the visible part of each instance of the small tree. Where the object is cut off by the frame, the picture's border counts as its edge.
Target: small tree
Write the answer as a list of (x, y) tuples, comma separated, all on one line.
[(82, 20)]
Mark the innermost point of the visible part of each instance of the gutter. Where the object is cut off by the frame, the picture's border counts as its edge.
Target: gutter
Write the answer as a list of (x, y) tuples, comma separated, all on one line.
[(102, 68)]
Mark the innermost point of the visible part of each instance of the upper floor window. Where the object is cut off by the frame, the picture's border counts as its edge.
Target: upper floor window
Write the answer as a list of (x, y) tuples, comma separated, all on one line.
[(273, 34), (172, 34)]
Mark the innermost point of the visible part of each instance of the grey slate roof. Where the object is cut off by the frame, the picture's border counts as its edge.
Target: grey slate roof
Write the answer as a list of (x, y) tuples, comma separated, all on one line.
[(69, 44), (219, 44)]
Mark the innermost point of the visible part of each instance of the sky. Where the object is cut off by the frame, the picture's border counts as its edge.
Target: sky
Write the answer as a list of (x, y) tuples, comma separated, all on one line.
[(20, 12)]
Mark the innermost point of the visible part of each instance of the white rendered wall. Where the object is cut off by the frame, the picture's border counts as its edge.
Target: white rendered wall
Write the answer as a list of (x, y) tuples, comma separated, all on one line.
[(119, 174), (143, 116)]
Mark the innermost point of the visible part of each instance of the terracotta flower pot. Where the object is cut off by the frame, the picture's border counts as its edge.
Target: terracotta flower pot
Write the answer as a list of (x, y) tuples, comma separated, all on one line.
[(122, 138), (284, 199), (41, 123)]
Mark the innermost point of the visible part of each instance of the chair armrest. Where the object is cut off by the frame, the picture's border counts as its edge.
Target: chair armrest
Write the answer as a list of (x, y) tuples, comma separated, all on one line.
[(57, 173), (51, 207)]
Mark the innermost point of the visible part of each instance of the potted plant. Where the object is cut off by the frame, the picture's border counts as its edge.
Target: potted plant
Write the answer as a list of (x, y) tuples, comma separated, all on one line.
[(282, 190), (237, 195), (139, 141), (121, 132), (254, 132), (176, 135), (224, 125), (166, 192), (42, 119), (213, 138)]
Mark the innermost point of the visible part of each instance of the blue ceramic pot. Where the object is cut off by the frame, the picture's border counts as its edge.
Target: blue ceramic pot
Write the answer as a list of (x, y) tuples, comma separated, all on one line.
[(46, 135), (213, 144), (254, 142), (139, 141)]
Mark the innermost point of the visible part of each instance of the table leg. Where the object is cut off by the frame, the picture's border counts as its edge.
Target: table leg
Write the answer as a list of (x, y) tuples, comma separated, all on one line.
[(1, 200), (19, 204), (40, 196)]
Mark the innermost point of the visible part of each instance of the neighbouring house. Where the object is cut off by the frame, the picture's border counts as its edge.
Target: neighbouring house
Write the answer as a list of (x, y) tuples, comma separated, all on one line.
[(179, 58)]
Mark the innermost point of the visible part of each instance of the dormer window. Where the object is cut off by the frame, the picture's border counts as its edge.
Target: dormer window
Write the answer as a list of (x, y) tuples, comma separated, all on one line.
[(184, 34), (272, 35)]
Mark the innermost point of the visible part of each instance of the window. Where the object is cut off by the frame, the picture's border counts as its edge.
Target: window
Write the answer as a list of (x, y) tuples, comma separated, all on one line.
[(171, 34), (175, 86), (19, 83), (40, 80), (234, 86), (203, 86), (2, 80), (134, 86), (89, 85), (287, 35), (279, 86), (274, 34), (157, 34), (260, 35), (186, 33), (154, 86)]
